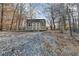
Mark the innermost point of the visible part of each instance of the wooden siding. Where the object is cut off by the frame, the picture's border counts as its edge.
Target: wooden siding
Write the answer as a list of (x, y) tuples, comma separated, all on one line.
[(36, 25)]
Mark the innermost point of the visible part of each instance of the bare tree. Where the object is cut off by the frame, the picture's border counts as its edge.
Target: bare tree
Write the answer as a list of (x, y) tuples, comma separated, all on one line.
[(78, 15), (2, 5), (69, 18), (50, 15), (13, 16), (21, 5), (32, 11), (53, 17)]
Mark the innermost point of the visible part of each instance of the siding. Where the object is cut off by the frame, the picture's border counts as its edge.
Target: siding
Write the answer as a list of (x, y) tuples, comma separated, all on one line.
[(36, 24)]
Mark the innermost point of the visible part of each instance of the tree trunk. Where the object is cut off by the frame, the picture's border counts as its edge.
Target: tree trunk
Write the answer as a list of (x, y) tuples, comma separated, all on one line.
[(53, 23), (70, 26), (73, 25), (78, 22), (13, 17), (59, 24), (64, 22), (19, 23), (78, 17), (1, 17), (69, 19), (30, 11)]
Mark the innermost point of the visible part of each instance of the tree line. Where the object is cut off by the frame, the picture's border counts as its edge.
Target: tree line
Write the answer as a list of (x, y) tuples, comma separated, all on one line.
[(64, 17), (60, 16), (15, 14)]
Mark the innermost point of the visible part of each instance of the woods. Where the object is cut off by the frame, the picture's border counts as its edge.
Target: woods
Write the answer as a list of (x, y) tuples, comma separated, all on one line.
[(62, 16)]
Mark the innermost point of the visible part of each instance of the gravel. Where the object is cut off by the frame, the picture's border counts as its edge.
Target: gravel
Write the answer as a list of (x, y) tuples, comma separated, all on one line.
[(33, 44)]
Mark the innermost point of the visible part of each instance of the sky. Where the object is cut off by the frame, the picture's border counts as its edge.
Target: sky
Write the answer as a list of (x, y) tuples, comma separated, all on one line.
[(40, 10), (40, 7)]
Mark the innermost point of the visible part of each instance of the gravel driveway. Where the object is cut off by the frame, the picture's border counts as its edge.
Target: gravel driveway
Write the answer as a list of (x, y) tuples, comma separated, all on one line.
[(34, 44)]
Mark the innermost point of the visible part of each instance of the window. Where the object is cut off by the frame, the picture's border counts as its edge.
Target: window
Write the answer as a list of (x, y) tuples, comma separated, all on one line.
[(29, 24)]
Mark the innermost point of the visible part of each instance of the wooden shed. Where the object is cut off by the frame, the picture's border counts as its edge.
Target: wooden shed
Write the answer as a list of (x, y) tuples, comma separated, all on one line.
[(36, 24)]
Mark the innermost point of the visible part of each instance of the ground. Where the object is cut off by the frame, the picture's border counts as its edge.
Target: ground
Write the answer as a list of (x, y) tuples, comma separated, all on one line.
[(47, 43)]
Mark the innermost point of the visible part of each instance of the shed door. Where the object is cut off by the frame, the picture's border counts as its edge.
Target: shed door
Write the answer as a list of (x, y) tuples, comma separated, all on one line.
[(36, 26), (33, 26)]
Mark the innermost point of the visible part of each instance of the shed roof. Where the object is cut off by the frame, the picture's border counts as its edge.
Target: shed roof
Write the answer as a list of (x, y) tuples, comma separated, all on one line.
[(36, 20)]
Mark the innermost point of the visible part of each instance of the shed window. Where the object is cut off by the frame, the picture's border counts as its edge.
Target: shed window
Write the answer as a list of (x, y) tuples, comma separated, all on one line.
[(29, 24), (42, 23)]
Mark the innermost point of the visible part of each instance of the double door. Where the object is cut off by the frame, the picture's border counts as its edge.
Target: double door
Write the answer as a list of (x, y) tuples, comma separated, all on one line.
[(35, 26)]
